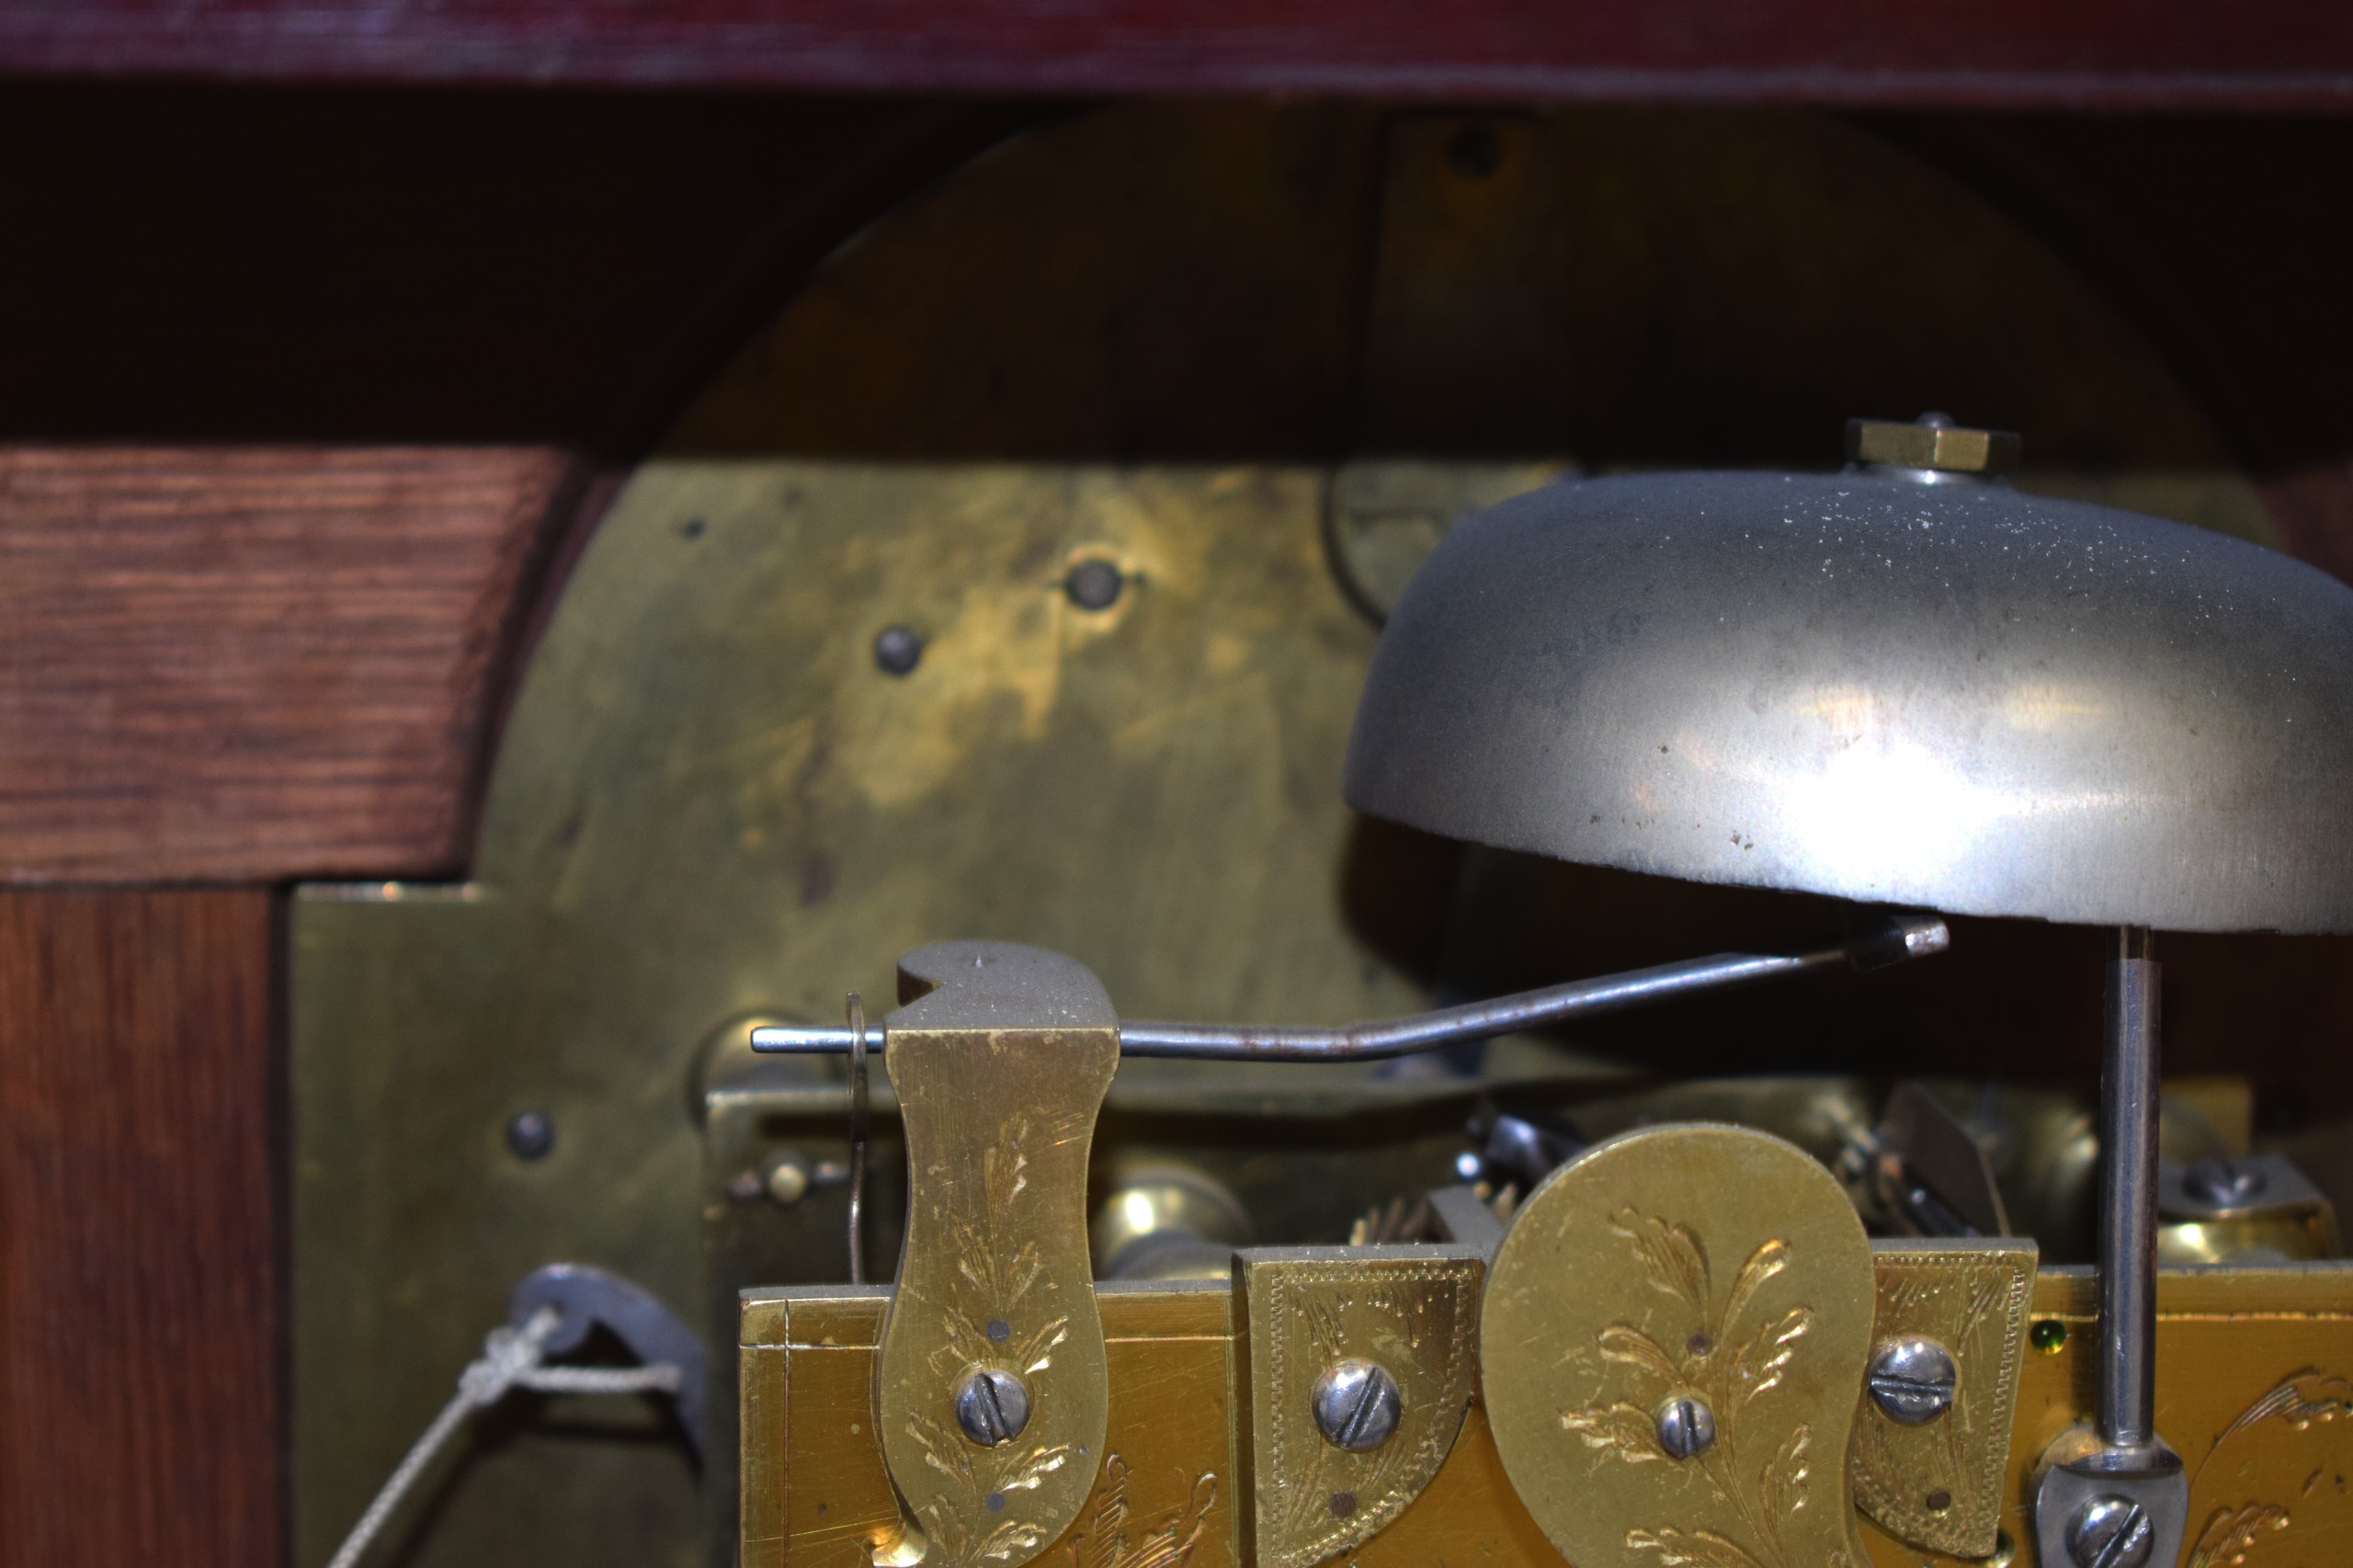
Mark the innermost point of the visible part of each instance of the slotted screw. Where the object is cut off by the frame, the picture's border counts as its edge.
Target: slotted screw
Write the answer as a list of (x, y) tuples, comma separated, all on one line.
[(1686, 1427), (992, 1405), (1356, 1405), (1912, 1380), (2110, 1532)]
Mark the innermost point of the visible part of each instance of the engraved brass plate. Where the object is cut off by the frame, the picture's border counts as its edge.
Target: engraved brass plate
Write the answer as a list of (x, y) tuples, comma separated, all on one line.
[(1939, 1484), (2255, 1369), (816, 1493), (1411, 1311), (1679, 1266), (1000, 1067)]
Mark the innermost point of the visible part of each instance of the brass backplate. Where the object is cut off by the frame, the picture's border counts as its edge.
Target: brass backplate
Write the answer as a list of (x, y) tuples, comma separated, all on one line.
[(711, 802)]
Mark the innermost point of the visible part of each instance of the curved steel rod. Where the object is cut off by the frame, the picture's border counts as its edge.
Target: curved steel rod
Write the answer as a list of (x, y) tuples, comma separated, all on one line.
[(1882, 940)]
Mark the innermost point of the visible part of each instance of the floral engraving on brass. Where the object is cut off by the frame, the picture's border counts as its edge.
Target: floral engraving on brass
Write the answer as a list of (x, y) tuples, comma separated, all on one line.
[(1728, 1379), (1410, 1310), (1614, 1296), (1938, 1485), (1000, 1065), (2231, 1527), (1105, 1542), (997, 1265)]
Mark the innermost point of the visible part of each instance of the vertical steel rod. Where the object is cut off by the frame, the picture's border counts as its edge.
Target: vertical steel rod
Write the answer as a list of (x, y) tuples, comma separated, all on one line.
[(2127, 1213), (856, 1009)]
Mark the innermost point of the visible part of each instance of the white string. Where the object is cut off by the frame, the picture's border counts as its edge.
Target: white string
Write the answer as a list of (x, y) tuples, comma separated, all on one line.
[(510, 1360)]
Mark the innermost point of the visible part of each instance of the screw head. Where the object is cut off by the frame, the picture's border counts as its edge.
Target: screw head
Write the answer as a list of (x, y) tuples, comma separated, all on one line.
[(2110, 1532), (992, 1405), (2225, 1184), (530, 1135), (1095, 584), (1912, 1380), (1686, 1427), (1356, 1405), (898, 650)]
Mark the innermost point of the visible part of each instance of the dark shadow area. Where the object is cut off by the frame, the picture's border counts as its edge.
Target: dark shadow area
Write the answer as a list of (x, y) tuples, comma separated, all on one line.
[(268, 264), (2013, 1000), (1201, 282)]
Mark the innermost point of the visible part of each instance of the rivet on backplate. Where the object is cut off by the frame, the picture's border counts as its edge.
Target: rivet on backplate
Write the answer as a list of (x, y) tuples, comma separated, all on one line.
[(898, 650), (1094, 584), (530, 1135)]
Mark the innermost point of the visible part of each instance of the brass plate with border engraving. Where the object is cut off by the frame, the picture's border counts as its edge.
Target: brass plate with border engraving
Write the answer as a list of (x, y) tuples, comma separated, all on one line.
[(1709, 1269), (1413, 1311), (1939, 1484), (1000, 1061)]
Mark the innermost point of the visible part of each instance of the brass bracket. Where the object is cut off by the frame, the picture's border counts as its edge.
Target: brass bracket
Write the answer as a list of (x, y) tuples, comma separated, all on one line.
[(1403, 1321), (991, 1390), (1938, 1482)]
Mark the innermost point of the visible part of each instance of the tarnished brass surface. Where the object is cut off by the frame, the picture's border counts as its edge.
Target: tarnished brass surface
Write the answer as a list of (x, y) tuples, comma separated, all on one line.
[(1000, 1063), (1382, 518), (1939, 1484), (1413, 1311), (710, 803), (1679, 1263)]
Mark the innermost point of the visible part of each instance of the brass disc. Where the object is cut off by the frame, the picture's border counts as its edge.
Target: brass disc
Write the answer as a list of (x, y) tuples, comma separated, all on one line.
[(1672, 1345)]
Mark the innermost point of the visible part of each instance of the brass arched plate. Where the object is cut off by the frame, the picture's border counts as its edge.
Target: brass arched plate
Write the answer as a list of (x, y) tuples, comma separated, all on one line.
[(1708, 1269)]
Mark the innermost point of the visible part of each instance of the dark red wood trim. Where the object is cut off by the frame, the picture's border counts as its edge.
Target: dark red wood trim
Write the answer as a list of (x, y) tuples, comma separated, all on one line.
[(2257, 53), (2313, 506), (139, 1231), (253, 663)]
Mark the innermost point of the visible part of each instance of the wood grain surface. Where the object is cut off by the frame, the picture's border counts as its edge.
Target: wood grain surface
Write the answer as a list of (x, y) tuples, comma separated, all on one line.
[(2051, 53), (138, 1234), (250, 664)]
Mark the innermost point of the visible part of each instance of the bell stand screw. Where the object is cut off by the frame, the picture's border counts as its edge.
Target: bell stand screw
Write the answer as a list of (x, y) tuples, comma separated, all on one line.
[(2110, 1532)]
